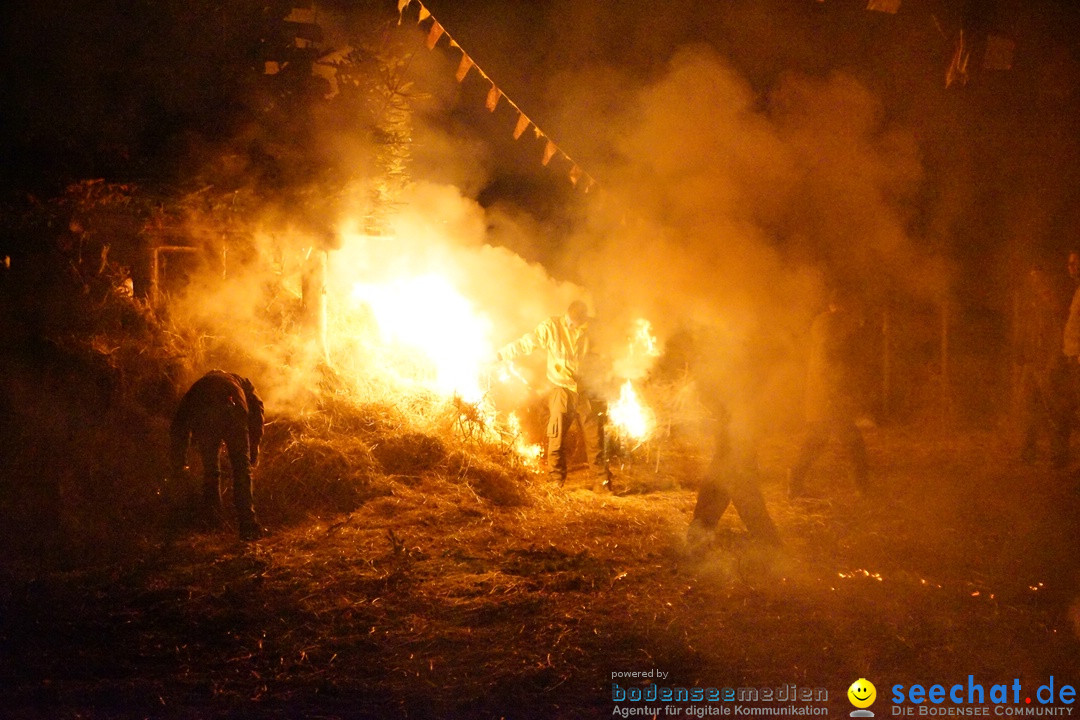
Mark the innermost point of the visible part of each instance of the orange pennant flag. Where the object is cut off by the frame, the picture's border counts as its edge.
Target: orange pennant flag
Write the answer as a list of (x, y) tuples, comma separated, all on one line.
[(401, 5), (957, 71), (885, 6), (434, 34), (575, 175), (549, 150), (492, 99), (424, 14), (463, 68), (589, 183), (522, 123)]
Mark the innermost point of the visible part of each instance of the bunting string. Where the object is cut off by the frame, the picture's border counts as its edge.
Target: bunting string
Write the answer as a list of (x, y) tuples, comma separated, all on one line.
[(576, 175), (998, 56)]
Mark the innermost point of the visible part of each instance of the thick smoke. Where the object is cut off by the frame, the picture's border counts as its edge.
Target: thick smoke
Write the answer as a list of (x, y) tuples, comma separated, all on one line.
[(718, 206), (737, 211)]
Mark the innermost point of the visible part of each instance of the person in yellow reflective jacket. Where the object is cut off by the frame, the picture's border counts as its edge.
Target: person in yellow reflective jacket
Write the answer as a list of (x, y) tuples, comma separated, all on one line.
[(565, 339)]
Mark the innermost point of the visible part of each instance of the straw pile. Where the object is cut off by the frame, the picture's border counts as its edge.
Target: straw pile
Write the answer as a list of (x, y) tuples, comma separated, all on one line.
[(344, 454)]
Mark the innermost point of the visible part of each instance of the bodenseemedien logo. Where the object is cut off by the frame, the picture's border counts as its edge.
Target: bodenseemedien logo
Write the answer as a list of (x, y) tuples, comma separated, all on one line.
[(862, 694)]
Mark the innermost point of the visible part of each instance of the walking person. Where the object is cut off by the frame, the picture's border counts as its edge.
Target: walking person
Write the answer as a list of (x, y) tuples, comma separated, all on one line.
[(831, 393)]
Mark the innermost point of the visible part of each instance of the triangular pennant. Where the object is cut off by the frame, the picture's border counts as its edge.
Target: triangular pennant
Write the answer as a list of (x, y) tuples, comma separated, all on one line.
[(999, 53), (329, 74), (492, 99), (575, 175), (549, 150), (885, 6), (463, 67), (538, 132), (957, 71), (589, 183), (522, 124), (424, 14), (401, 5), (434, 34)]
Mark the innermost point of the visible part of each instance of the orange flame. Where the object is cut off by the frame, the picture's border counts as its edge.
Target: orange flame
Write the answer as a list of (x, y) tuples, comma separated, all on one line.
[(643, 341), (529, 452), (443, 342), (629, 417)]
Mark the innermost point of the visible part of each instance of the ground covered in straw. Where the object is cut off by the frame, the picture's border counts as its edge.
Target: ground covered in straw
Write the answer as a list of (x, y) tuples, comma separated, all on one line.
[(425, 581)]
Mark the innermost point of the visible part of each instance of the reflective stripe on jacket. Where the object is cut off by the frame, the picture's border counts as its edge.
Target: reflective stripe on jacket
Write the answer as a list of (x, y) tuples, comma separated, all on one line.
[(566, 349)]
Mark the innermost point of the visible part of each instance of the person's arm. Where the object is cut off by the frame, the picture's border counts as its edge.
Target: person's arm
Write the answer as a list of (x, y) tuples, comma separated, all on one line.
[(540, 337), (256, 416)]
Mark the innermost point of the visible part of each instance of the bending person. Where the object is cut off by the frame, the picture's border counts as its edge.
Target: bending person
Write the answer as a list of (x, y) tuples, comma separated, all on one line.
[(221, 408)]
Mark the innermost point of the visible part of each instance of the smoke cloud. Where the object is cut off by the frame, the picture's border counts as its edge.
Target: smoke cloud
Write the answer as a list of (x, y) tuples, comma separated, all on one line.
[(718, 206)]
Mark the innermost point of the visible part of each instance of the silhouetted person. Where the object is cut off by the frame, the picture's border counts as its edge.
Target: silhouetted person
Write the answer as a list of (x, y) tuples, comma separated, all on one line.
[(1070, 373), (221, 408), (729, 384), (565, 338), (831, 383), (1040, 361), (732, 479)]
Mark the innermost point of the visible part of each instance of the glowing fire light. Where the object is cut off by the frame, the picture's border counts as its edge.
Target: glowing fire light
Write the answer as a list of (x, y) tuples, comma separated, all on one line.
[(861, 573), (629, 417), (508, 371), (530, 453), (643, 341), (427, 315)]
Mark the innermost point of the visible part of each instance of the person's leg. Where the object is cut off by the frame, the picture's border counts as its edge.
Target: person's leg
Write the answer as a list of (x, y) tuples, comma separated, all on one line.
[(748, 501), (240, 461), (558, 421), (712, 501), (817, 435), (1029, 416), (1061, 401), (852, 439), (592, 414), (208, 447), (742, 483)]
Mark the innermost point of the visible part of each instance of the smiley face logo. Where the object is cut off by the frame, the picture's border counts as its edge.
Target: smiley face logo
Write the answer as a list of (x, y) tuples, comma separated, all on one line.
[(862, 693)]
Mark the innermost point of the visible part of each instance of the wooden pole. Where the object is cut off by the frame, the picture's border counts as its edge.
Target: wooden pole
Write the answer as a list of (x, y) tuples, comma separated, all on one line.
[(156, 268), (886, 363), (313, 299), (946, 396)]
